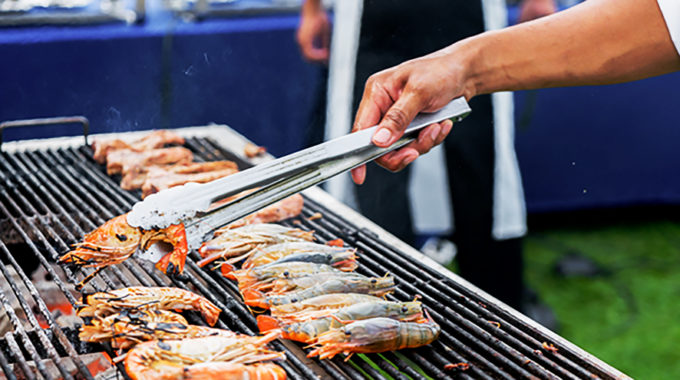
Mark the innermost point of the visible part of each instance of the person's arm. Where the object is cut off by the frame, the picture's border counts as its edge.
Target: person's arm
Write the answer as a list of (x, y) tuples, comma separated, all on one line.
[(314, 32), (596, 42)]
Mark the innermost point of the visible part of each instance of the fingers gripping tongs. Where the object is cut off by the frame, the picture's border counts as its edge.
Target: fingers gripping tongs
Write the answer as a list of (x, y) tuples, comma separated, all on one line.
[(193, 204)]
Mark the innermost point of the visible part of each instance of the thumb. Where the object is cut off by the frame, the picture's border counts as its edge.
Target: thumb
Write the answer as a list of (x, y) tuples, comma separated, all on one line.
[(396, 119)]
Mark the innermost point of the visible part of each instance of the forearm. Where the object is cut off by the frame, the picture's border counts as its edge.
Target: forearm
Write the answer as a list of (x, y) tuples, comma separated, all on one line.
[(596, 42)]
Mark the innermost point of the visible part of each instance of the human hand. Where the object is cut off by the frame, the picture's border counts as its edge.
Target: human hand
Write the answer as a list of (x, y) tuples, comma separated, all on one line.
[(533, 9), (393, 97), (313, 34)]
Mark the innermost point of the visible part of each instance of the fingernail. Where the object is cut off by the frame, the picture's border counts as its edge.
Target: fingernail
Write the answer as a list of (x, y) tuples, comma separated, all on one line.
[(434, 132), (448, 126), (382, 136), (359, 175)]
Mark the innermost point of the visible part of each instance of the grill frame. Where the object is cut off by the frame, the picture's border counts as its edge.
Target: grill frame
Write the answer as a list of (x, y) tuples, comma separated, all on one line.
[(360, 228)]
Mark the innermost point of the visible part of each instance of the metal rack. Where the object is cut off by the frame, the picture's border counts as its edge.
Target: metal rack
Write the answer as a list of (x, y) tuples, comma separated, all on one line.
[(70, 12), (202, 9), (51, 194)]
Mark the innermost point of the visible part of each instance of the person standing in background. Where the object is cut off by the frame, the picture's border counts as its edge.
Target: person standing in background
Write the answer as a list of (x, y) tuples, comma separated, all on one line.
[(484, 183)]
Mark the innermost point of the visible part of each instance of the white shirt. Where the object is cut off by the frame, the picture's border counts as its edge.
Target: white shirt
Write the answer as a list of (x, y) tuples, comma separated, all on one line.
[(509, 211), (671, 13)]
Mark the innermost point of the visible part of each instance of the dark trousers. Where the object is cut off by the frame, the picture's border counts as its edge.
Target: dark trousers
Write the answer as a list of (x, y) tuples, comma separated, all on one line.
[(496, 266), (394, 31)]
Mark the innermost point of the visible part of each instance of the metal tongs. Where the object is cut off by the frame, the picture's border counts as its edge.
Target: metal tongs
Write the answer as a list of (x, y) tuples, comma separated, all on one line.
[(193, 204)]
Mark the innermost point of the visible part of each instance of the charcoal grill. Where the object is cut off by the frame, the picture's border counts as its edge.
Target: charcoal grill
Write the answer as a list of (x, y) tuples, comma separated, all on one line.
[(52, 193)]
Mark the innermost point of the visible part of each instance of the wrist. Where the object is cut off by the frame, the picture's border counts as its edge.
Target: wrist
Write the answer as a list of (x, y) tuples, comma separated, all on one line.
[(535, 2), (311, 7), (484, 72), (462, 60)]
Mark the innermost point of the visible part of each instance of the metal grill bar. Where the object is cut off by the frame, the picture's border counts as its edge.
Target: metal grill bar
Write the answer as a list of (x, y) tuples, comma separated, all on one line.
[(414, 274), (403, 365), (55, 330), (4, 364), (38, 231), (51, 351), (566, 358), (25, 341), (472, 334), (44, 311), (15, 351), (406, 270), (441, 290), (52, 197), (350, 370)]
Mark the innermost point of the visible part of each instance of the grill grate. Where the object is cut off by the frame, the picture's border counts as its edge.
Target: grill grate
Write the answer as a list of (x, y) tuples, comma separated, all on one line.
[(50, 198)]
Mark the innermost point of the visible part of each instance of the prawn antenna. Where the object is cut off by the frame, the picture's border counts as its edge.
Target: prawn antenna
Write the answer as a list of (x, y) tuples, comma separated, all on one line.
[(341, 321), (119, 358), (88, 278)]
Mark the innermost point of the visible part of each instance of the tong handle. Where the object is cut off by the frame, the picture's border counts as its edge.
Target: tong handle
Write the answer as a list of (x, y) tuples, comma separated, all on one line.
[(350, 151), (188, 202), (199, 227), (340, 147), (358, 141)]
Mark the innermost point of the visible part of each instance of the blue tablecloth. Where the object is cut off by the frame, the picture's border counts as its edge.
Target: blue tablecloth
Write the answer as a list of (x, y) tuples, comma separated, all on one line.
[(588, 147), (245, 72), (605, 146)]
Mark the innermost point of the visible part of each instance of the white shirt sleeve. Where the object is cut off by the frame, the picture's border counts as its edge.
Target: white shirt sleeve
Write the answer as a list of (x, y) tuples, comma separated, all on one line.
[(671, 13)]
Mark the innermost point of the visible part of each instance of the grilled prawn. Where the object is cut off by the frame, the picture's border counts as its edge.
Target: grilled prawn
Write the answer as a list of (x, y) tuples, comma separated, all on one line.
[(115, 241), (374, 286), (320, 305), (129, 327), (170, 359), (282, 252), (102, 329), (307, 332), (244, 240), (103, 304), (374, 335), (112, 243), (342, 260), (260, 277), (284, 285), (222, 370)]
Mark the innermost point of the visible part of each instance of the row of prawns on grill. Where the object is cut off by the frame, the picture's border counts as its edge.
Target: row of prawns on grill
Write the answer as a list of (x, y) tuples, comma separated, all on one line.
[(163, 345), (313, 293), (146, 163), (115, 241)]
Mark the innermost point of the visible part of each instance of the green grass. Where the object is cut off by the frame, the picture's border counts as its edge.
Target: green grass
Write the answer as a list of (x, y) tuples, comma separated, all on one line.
[(628, 316)]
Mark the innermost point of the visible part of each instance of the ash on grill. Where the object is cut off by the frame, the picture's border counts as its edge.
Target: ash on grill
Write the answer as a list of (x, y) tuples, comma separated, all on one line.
[(49, 198)]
